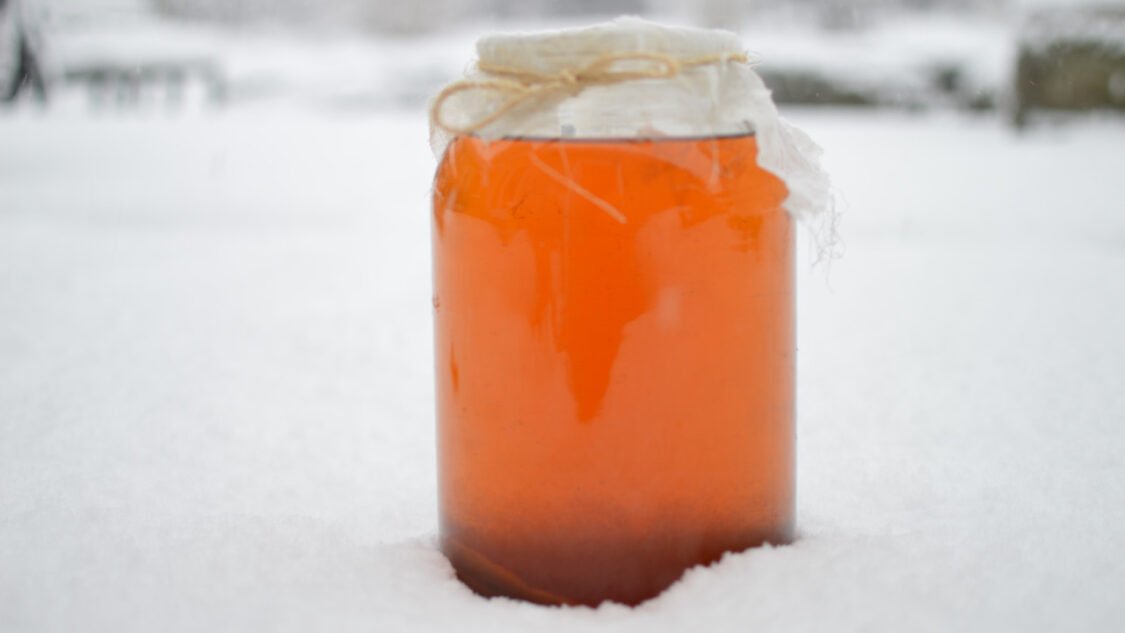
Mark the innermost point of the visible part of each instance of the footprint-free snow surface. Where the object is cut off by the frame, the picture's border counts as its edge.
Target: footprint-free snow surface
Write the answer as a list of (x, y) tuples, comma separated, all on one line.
[(216, 408)]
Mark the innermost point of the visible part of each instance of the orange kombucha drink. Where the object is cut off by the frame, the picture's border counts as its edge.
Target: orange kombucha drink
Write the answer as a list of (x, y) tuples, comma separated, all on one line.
[(614, 339)]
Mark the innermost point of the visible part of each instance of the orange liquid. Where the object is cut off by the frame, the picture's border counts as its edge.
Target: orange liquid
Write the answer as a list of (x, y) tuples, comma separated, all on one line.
[(615, 362)]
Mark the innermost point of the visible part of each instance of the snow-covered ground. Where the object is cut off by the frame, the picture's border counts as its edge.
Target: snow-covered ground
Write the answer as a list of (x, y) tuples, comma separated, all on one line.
[(215, 389), (216, 409)]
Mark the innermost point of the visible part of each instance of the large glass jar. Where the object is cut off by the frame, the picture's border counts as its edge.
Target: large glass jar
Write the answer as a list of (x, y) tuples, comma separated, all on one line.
[(614, 328)]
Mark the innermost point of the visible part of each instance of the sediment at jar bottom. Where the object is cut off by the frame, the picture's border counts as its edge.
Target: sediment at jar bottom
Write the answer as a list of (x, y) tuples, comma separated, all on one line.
[(590, 570)]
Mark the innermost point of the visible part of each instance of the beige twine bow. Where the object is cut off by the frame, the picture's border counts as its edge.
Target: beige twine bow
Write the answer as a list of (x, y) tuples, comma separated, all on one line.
[(522, 84)]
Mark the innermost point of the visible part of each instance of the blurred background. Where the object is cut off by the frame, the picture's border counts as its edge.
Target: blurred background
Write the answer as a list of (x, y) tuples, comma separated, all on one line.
[(1006, 56)]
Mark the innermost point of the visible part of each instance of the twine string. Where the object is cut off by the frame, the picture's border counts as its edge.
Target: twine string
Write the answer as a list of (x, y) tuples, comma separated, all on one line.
[(524, 85)]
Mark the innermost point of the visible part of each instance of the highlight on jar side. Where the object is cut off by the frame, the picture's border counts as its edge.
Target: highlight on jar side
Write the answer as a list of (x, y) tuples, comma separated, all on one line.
[(614, 216)]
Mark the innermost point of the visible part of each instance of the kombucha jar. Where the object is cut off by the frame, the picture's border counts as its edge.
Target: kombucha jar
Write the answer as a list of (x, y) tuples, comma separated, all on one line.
[(614, 311)]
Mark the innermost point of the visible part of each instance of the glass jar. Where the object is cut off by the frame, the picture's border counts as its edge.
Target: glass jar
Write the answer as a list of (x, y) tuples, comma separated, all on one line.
[(614, 325)]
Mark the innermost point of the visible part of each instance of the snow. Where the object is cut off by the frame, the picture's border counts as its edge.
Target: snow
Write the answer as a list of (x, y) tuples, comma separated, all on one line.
[(897, 53), (892, 58), (329, 69), (1100, 27), (216, 410)]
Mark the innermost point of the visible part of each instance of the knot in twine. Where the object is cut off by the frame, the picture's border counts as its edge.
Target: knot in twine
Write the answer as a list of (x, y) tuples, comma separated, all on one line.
[(522, 85)]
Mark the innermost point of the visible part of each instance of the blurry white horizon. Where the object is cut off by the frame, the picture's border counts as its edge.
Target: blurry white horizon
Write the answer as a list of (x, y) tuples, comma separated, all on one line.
[(378, 56)]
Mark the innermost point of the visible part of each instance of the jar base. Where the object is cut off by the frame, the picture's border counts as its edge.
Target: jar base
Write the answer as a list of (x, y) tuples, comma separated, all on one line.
[(585, 574)]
